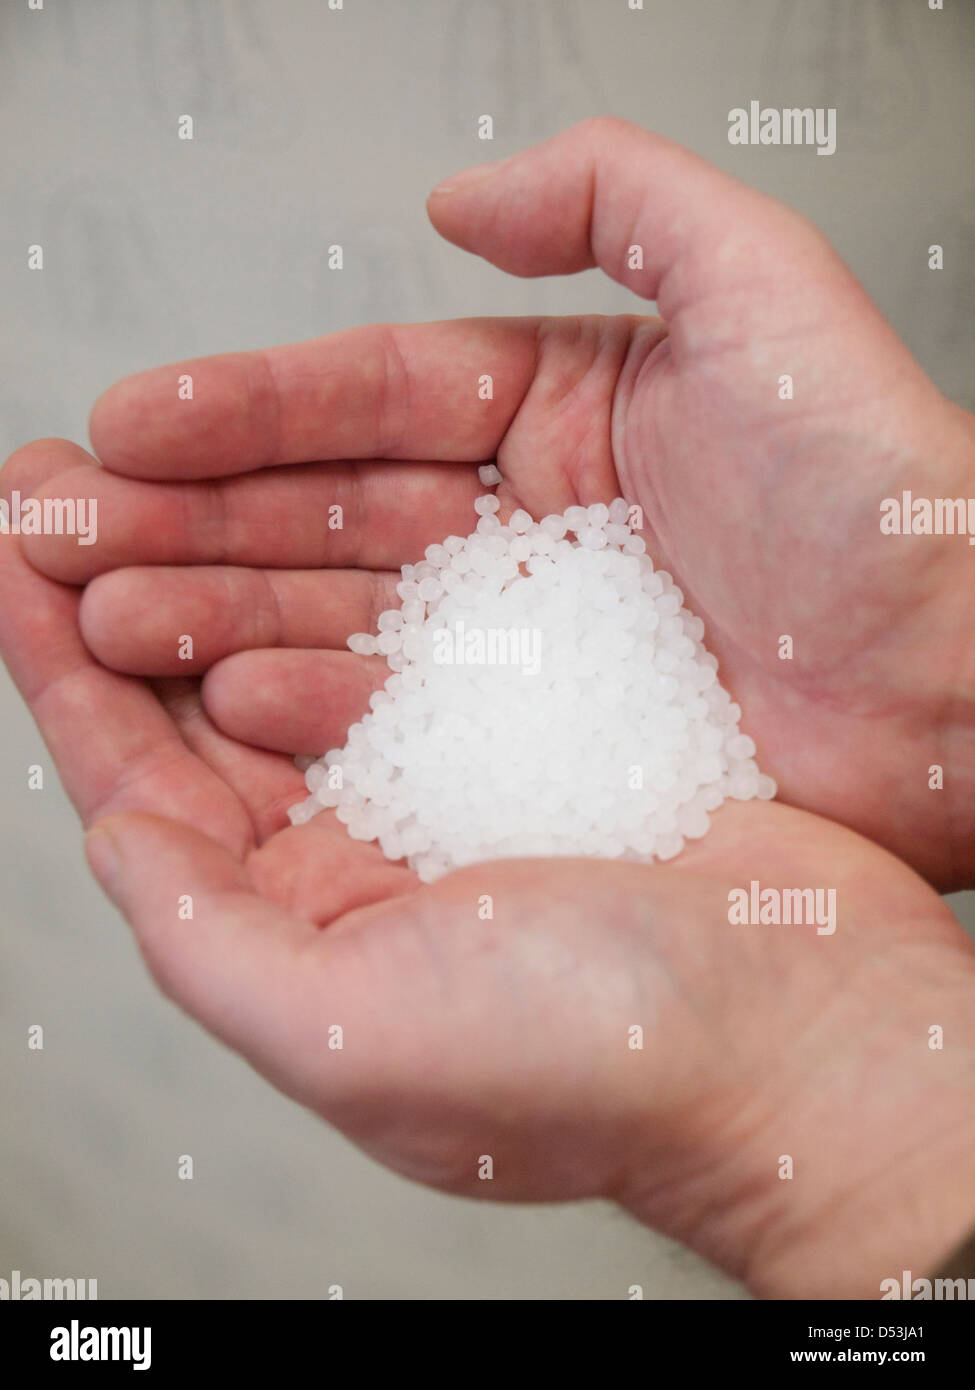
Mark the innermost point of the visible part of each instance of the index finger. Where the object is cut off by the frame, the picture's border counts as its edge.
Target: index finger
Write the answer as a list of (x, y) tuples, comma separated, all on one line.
[(393, 391)]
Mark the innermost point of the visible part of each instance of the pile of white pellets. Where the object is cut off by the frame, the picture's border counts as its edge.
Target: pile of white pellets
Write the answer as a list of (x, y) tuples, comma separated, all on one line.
[(549, 694)]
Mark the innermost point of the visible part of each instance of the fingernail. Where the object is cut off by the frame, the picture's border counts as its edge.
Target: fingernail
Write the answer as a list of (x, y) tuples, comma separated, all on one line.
[(468, 176), (103, 857)]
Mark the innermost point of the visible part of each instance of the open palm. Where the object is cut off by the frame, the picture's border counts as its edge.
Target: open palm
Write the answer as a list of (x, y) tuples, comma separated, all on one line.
[(508, 1037)]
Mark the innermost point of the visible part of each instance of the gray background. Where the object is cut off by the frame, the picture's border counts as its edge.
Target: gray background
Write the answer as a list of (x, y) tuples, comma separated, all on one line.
[(311, 127)]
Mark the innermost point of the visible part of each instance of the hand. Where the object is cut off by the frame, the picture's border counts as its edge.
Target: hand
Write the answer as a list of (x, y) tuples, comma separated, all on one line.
[(766, 511), (684, 1138), (510, 1037)]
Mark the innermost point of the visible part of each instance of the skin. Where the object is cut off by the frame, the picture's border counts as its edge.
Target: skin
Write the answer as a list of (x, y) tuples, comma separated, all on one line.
[(509, 1037)]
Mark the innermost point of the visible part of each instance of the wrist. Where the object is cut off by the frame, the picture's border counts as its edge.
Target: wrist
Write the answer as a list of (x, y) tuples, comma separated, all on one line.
[(911, 1205), (877, 1130)]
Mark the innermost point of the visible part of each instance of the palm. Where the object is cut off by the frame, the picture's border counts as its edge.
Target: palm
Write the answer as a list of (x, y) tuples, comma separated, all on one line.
[(767, 512), (511, 1038)]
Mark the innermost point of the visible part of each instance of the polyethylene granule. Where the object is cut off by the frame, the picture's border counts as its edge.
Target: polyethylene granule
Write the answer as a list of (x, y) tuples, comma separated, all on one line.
[(550, 694)]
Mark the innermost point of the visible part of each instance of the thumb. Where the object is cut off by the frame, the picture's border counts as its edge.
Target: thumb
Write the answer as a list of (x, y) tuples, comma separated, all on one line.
[(654, 216)]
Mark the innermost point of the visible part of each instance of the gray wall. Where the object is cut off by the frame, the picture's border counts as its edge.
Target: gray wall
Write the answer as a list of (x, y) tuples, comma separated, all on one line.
[(314, 126)]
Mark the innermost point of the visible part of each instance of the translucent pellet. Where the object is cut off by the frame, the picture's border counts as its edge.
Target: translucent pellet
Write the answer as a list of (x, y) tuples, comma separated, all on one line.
[(554, 526)]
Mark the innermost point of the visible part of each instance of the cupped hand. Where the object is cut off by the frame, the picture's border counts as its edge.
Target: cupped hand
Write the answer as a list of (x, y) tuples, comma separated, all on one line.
[(847, 648), (540, 1029)]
